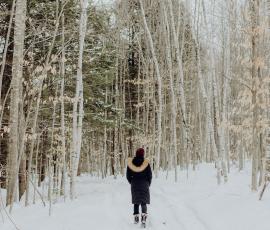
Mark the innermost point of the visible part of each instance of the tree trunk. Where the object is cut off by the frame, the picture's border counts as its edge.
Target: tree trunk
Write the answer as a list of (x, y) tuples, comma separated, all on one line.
[(159, 82), (16, 97), (254, 37), (78, 102), (172, 93)]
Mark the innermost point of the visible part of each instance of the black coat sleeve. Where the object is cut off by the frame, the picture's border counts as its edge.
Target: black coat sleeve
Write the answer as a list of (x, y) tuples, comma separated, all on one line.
[(149, 174), (129, 175)]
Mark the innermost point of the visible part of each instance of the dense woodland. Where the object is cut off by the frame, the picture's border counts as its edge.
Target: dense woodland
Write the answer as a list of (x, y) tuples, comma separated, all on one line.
[(83, 85)]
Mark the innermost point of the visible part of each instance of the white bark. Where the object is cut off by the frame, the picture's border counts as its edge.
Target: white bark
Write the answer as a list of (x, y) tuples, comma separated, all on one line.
[(159, 81), (180, 73), (172, 91), (254, 4), (16, 85), (223, 123), (63, 129), (78, 102), (51, 152)]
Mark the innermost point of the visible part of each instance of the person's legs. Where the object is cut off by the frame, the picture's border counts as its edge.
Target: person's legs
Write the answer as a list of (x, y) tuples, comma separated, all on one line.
[(144, 208), (144, 214), (136, 209), (136, 213)]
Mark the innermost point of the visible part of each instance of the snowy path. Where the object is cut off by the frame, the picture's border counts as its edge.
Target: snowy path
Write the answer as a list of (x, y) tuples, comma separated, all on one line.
[(196, 203)]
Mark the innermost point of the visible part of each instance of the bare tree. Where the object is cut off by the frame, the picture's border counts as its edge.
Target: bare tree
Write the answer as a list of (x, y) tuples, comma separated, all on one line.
[(78, 102), (16, 98)]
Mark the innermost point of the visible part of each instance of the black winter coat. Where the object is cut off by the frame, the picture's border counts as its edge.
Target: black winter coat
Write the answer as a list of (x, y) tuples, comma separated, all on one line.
[(139, 175)]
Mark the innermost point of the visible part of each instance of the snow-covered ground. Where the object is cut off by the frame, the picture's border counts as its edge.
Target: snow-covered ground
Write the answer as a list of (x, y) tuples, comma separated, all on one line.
[(193, 203)]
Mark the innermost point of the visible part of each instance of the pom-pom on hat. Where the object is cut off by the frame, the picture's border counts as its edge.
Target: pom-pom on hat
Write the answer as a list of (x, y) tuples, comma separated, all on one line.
[(140, 152)]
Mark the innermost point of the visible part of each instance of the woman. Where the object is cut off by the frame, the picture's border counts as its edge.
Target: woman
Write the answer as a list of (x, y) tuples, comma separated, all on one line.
[(139, 175)]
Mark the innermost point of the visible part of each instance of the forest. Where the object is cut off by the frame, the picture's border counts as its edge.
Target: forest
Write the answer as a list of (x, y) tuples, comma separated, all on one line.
[(83, 84)]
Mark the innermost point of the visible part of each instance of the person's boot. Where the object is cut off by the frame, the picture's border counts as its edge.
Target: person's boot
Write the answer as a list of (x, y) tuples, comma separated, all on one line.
[(143, 220), (136, 218)]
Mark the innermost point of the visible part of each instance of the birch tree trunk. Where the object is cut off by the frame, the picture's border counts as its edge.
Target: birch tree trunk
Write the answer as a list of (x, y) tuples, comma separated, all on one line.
[(159, 81), (50, 155), (223, 123), (180, 74), (173, 100), (78, 102), (16, 97), (104, 157), (254, 4), (63, 129)]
